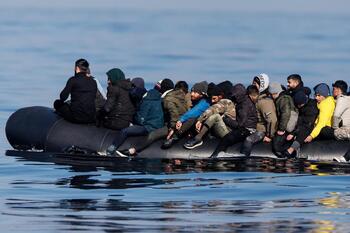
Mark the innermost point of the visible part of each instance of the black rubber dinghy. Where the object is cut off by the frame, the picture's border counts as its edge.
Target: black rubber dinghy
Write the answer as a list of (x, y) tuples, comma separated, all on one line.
[(39, 128)]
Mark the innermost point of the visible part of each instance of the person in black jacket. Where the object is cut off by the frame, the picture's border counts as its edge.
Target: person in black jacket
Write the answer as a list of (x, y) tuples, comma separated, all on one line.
[(308, 113), (295, 85), (82, 89), (118, 111), (246, 119)]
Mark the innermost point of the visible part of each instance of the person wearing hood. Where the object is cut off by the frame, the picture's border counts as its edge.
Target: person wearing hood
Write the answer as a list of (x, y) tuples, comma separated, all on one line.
[(82, 89), (296, 84), (186, 121), (212, 118), (326, 106), (174, 105), (246, 118), (118, 111), (308, 113), (137, 92), (267, 117), (287, 115), (148, 118)]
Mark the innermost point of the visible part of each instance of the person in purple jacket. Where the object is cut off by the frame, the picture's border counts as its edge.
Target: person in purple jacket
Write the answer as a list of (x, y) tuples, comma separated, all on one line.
[(200, 103)]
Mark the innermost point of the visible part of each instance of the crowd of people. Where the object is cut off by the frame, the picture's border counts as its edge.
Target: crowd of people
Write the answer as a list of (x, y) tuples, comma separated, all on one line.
[(264, 111)]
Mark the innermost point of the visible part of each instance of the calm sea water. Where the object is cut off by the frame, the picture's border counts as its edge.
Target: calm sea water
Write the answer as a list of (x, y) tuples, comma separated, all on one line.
[(38, 45)]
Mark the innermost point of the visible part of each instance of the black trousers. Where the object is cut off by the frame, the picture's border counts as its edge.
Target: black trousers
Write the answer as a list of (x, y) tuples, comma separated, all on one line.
[(235, 136)]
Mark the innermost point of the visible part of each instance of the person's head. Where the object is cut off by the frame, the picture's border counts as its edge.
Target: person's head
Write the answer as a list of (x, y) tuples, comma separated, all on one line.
[(199, 90), (164, 85), (340, 87), (294, 80), (138, 82), (181, 85), (321, 92), (215, 93), (81, 65), (114, 75), (300, 99), (261, 81), (226, 87), (253, 93), (275, 89)]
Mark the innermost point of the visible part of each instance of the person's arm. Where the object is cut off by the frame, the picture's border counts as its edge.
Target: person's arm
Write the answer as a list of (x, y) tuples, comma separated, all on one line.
[(285, 112), (195, 112), (67, 89), (216, 108), (112, 95), (268, 112)]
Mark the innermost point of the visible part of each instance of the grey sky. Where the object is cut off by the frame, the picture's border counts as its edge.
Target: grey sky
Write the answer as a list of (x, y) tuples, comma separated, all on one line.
[(316, 6)]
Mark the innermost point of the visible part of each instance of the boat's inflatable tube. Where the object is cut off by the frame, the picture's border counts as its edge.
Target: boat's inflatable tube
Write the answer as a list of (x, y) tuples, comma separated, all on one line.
[(41, 129)]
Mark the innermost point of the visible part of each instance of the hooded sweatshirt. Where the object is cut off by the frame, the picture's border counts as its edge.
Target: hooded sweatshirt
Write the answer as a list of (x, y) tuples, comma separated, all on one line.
[(150, 114), (326, 108), (245, 109), (342, 112)]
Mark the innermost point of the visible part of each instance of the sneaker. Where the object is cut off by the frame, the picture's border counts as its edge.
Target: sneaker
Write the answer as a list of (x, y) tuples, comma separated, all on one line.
[(120, 154), (287, 155), (168, 143), (193, 143), (111, 150), (340, 159)]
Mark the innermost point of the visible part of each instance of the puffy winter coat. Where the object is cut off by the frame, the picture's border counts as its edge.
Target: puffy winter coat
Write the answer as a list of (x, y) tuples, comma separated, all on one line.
[(286, 112), (307, 117), (174, 104), (267, 116), (118, 104), (150, 113), (196, 111), (324, 118), (245, 109)]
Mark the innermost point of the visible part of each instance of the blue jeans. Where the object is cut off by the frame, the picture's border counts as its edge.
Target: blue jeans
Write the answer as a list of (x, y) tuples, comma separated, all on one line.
[(131, 131)]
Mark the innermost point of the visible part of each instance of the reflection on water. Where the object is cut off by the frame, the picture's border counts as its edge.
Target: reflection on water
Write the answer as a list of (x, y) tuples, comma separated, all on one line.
[(179, 196)]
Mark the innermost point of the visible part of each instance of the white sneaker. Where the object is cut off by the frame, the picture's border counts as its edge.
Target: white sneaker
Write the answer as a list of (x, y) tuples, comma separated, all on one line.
[(103, 153), (120, 154), (339, 159)]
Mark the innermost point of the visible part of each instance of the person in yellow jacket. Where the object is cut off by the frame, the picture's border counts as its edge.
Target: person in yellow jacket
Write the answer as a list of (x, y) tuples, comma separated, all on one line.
[(326, 106)]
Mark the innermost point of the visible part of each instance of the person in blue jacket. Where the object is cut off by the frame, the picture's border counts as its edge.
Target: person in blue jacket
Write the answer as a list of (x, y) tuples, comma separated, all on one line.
[(148, 118), (200, 103)]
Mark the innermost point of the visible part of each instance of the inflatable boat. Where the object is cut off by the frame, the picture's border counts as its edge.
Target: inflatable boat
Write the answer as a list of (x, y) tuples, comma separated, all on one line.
[(41, 129)]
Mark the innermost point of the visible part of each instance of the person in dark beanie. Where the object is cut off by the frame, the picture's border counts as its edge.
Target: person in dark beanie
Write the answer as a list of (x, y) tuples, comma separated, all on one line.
[(308, 113), (326, 106), (341, 117), (137, 92), (187, 120), (164, 86), (82, 89), (295, 84), (246, 119), (226, 87), (118, 110), (212, 118)]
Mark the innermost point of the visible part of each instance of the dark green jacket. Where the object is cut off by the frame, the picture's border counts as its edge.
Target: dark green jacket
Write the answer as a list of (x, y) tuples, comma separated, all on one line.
[(174, 104), (284, 108)]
